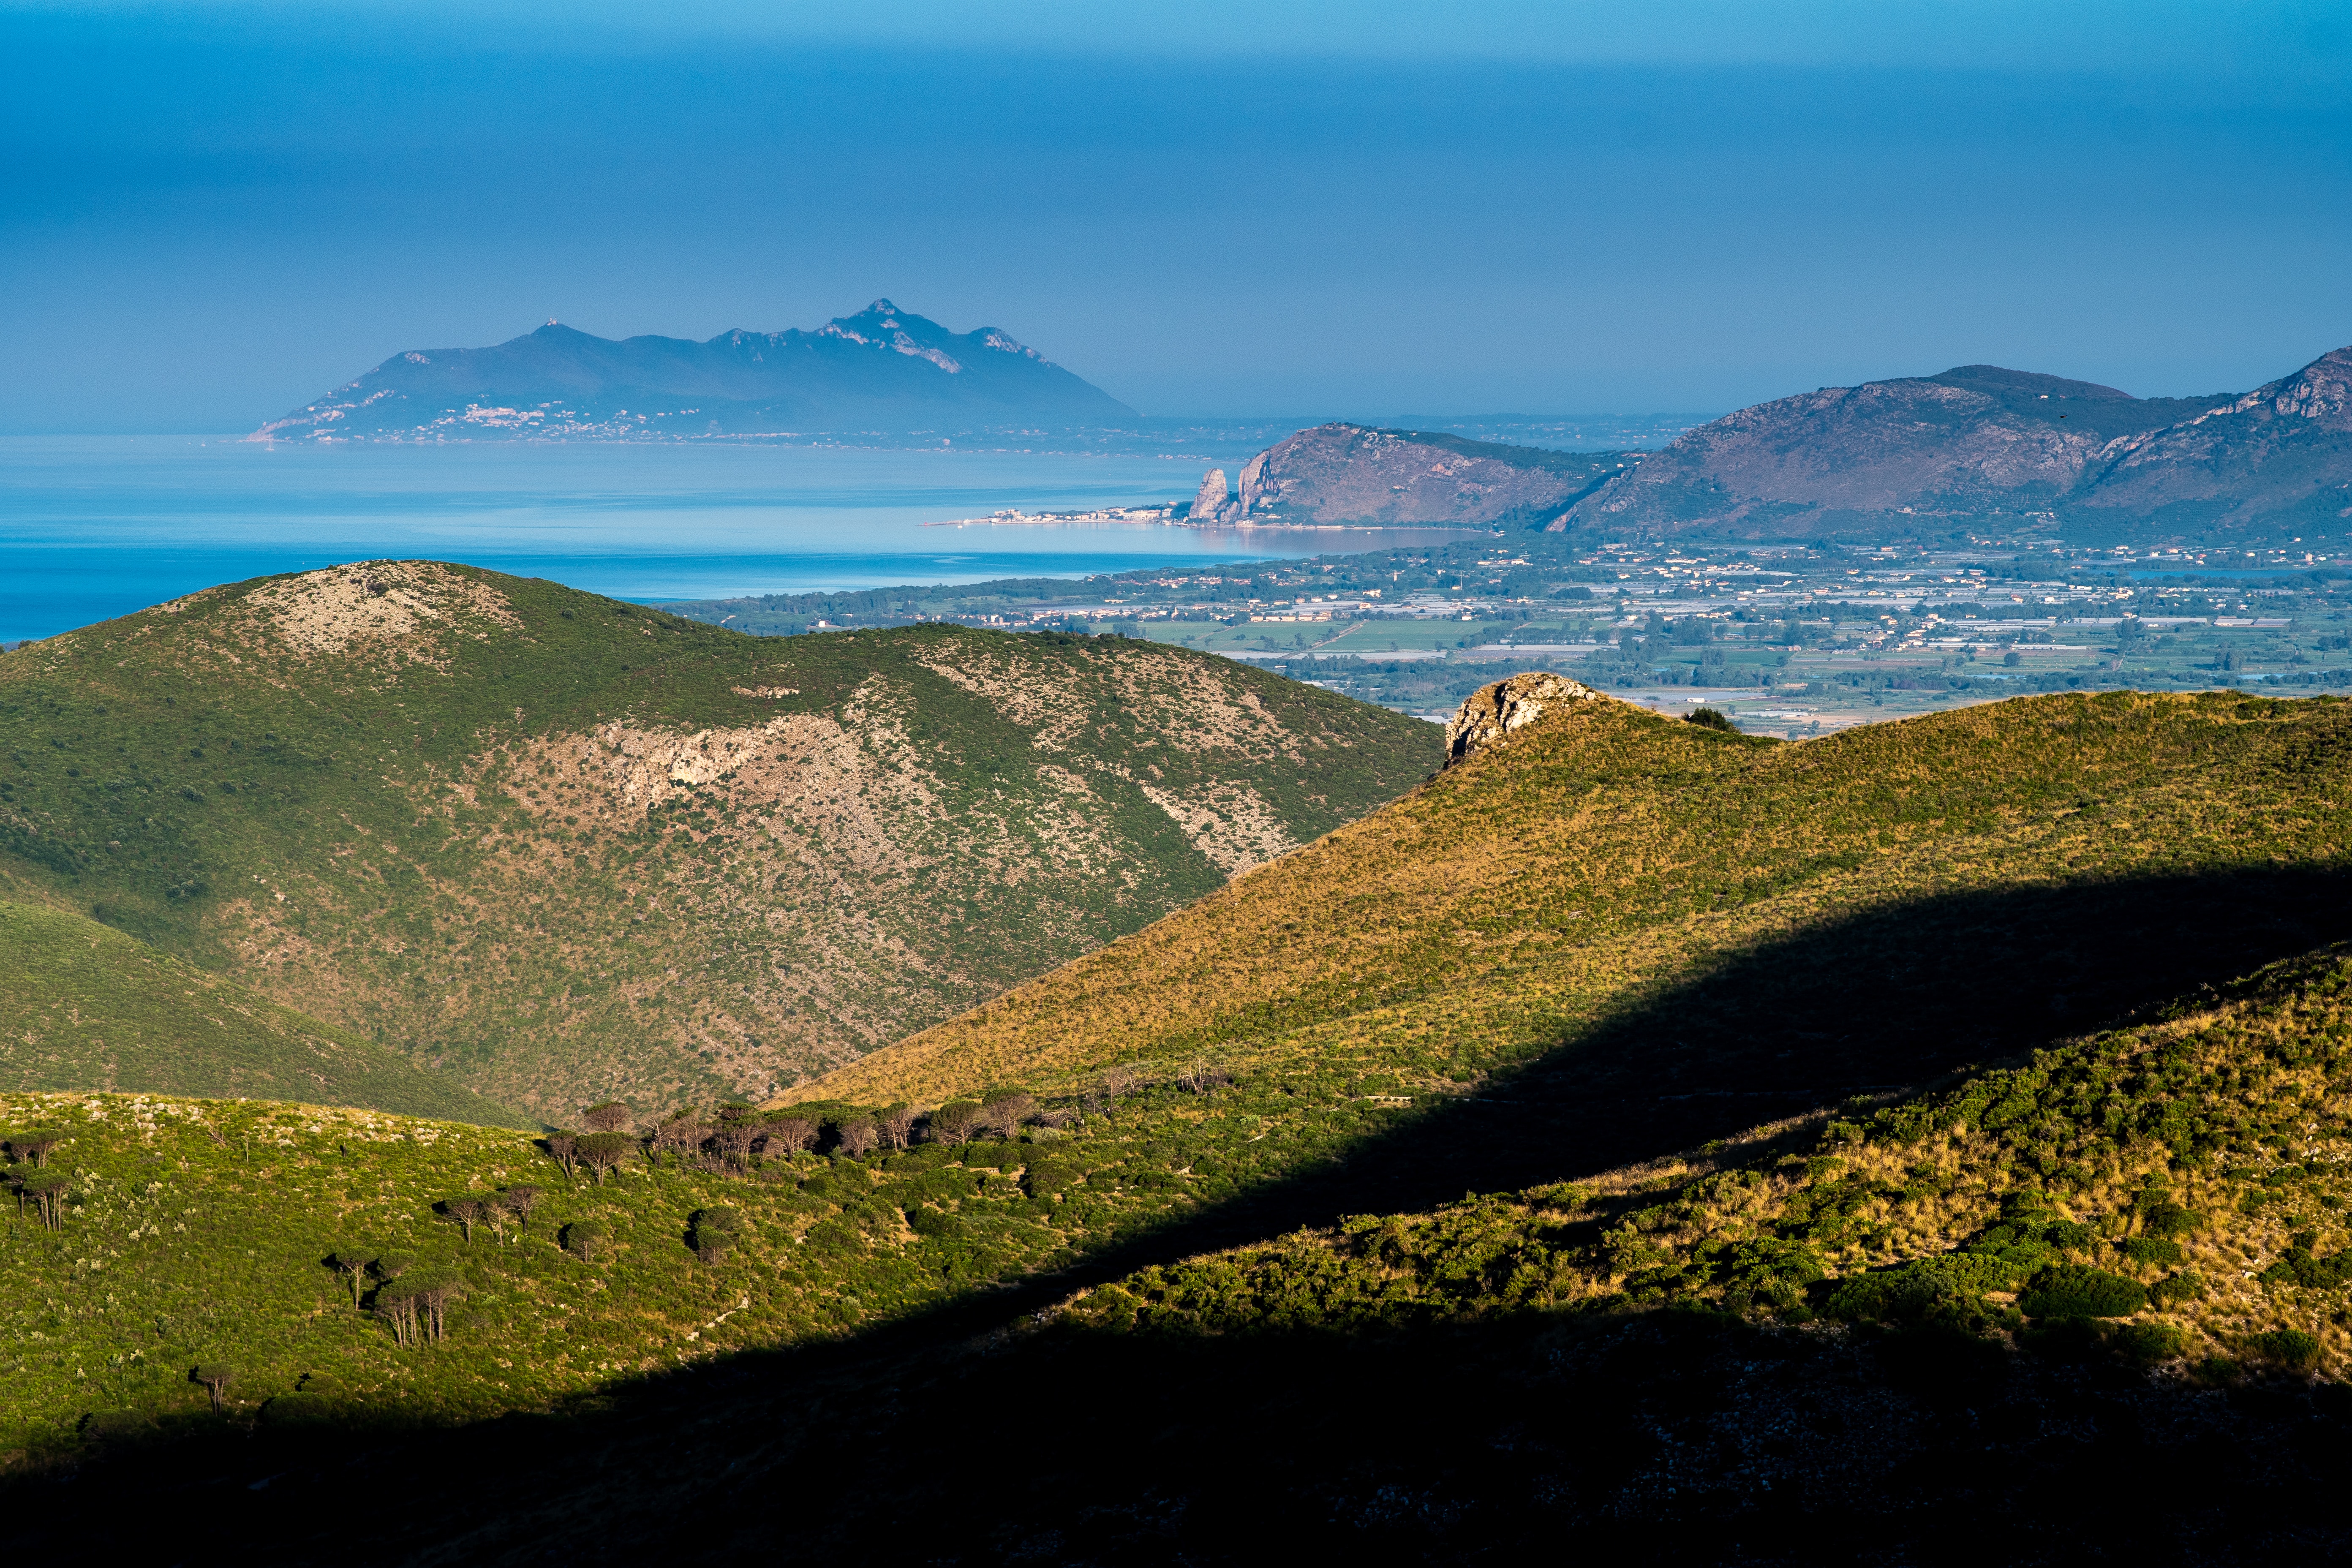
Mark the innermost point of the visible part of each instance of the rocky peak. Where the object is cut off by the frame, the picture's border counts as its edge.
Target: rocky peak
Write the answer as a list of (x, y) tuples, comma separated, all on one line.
[(1211, 498), (1492, 712)]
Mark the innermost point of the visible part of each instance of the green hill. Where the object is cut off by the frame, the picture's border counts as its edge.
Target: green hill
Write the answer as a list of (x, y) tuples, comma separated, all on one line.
[(564, 849), (85, 1008)]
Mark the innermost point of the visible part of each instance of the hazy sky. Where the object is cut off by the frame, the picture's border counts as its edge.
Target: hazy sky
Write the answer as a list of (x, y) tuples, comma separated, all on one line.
[(211, 213)]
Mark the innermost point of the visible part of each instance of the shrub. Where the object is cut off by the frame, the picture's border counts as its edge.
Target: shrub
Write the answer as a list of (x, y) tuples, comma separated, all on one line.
[(2078, 1291), (1940, 1289), (2289, 1348), (2069, 1236), (1711, 718), (2150, 1342), (2181, 1287), (1044, 1178), (2163, 1218), (2149, 1251)]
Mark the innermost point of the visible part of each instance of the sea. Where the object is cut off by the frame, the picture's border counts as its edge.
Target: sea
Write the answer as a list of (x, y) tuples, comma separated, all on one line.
[(92, 527)]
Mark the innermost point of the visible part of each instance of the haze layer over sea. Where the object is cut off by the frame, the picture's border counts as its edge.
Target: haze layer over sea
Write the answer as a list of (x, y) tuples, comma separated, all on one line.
[(95, 527)]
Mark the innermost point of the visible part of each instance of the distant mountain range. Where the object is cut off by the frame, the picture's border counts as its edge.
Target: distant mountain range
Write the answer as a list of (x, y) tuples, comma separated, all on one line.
[(1980, 447), (1974, 450), (883, 369)]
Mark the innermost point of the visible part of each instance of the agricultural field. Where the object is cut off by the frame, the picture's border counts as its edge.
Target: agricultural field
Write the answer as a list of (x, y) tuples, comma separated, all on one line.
[(1791, 640)]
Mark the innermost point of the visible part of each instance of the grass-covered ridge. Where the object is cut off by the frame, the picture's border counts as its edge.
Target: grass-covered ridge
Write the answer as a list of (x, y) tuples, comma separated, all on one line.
[(84, 1007), (1525, 903), (2172, 1190), (563, 848)]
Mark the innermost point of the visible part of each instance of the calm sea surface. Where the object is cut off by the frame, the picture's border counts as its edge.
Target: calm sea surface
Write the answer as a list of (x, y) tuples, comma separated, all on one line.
[(94, 527)]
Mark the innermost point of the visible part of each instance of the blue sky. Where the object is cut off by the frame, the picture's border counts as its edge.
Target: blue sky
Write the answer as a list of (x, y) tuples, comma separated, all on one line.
[(210, 214)]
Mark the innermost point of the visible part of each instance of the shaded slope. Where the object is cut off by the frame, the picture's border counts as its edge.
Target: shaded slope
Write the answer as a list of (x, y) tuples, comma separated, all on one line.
[(85, 1008), (1520, 900), (882, 368), (568, 849), (1483, 1377)]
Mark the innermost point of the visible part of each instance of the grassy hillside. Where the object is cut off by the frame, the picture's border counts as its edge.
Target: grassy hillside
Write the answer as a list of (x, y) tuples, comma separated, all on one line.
[(1609, 885), (2170, 1191), (564, 848), (84, 1007)]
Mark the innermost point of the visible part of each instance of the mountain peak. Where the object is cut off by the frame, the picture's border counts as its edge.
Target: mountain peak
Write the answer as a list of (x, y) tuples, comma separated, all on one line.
[(883, 368)]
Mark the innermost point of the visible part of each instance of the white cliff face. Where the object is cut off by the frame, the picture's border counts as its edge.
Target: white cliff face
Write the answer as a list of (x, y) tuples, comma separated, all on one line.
[(1253, 481), (1210, 501), (1492, 712)]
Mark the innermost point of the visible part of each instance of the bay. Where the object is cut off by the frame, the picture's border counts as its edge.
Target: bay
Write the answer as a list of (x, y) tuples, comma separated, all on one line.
[(98, 526)]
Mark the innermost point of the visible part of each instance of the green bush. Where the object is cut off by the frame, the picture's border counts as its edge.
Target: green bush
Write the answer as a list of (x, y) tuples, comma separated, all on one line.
[(2289, 1348), (1946, 1289), (2165, 1219), (2296, 1266), (2149, 1251), (2184, 1286), (1044, 1178), (2078, 1291), (2150, 1342)]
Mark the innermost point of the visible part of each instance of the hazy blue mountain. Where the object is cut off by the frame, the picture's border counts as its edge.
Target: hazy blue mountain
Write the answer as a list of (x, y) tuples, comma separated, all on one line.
[(882, 369)]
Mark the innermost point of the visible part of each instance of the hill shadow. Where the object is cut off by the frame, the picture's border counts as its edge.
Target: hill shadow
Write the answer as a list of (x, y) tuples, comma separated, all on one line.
[(1878, 999), (1881, 1000)]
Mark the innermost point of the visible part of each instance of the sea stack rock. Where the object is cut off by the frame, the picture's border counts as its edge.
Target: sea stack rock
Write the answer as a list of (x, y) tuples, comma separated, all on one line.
[(1210, 501), (1491, 713)]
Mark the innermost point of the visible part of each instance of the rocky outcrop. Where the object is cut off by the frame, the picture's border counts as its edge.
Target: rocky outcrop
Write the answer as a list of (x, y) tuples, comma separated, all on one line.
[(1889, 458), (1492, 712), (1209, 506), (1350, 474)]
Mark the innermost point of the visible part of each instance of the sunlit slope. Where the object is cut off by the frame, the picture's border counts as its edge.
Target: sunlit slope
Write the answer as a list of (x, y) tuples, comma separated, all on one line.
[(85, 1008), (2180, 1181), (567, 848), (1605, 858)]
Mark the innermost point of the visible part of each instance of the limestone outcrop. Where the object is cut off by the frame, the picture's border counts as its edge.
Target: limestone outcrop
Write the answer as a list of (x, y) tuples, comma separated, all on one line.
[(1210, 504), (1493, 711)]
